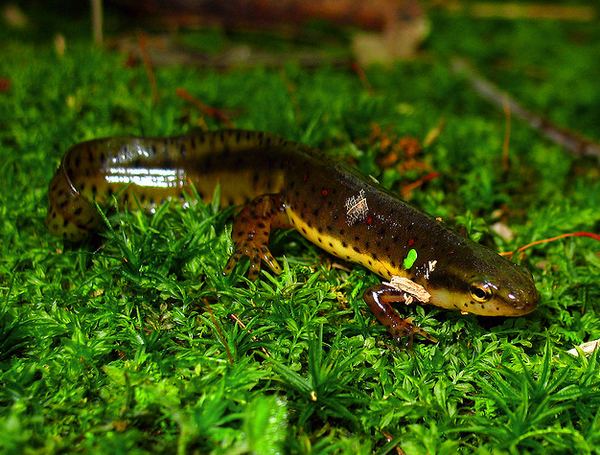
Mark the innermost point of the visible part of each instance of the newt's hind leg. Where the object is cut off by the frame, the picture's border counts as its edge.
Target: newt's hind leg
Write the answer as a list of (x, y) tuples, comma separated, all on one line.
[(251, 230)]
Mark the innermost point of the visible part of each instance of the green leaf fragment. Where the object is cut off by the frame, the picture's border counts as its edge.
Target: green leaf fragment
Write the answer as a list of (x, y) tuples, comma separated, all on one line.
[(410, 259)]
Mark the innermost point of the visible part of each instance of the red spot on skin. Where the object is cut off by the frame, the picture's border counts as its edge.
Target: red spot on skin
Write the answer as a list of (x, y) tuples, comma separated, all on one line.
[(369, 220), (305, 178), (451, 252), (410, 242), (324, 192)]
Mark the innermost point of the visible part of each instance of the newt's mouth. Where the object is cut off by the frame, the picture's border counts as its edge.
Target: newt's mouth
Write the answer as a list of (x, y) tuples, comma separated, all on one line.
[(496, 306)]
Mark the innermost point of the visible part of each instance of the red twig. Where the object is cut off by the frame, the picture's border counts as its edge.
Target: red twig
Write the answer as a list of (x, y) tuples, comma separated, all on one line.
[(218, 327), (591, 235), (5, 84), (148, 65), (363, 77), (407, 189), (205, 108), (243, 326)]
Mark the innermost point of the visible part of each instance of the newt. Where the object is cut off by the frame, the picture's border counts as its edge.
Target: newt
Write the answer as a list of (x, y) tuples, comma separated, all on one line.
[(284, 184)]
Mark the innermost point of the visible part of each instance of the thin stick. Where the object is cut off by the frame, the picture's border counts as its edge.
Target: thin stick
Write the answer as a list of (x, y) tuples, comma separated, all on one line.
[(506, 143), (243, 326), (205, 108), (363, 77), (219, 332), (97, 22), (148, 65), (591, 235), (569, 140)]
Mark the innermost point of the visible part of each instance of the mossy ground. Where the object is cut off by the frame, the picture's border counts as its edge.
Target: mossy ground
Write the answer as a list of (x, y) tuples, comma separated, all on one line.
[(128, 344)]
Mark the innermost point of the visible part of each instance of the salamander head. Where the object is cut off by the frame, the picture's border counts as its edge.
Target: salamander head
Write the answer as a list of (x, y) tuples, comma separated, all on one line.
[(484, 283)]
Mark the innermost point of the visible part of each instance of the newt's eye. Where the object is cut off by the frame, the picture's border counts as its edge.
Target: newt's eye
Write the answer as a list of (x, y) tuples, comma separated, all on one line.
[(481, 291)]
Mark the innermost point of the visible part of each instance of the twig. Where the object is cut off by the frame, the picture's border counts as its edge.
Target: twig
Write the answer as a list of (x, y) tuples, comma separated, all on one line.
[(591, 235), (522, 11), (417, 183), (243, 326), (219, 332), (505, 145), (515, 10), (362, 76), (569, 140), (148, 65), (205, 108), (97, 22)]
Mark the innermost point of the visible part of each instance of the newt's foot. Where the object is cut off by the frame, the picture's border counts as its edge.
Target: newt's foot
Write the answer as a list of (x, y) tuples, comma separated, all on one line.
[(257, 252), (251, 230), (379, 299)]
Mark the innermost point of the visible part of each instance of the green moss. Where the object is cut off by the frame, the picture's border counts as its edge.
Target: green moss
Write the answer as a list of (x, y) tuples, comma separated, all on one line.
[(128, 343)]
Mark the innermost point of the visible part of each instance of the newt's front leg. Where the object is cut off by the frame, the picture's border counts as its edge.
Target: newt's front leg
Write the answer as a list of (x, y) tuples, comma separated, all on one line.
[(379, 298), (251, 230)]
